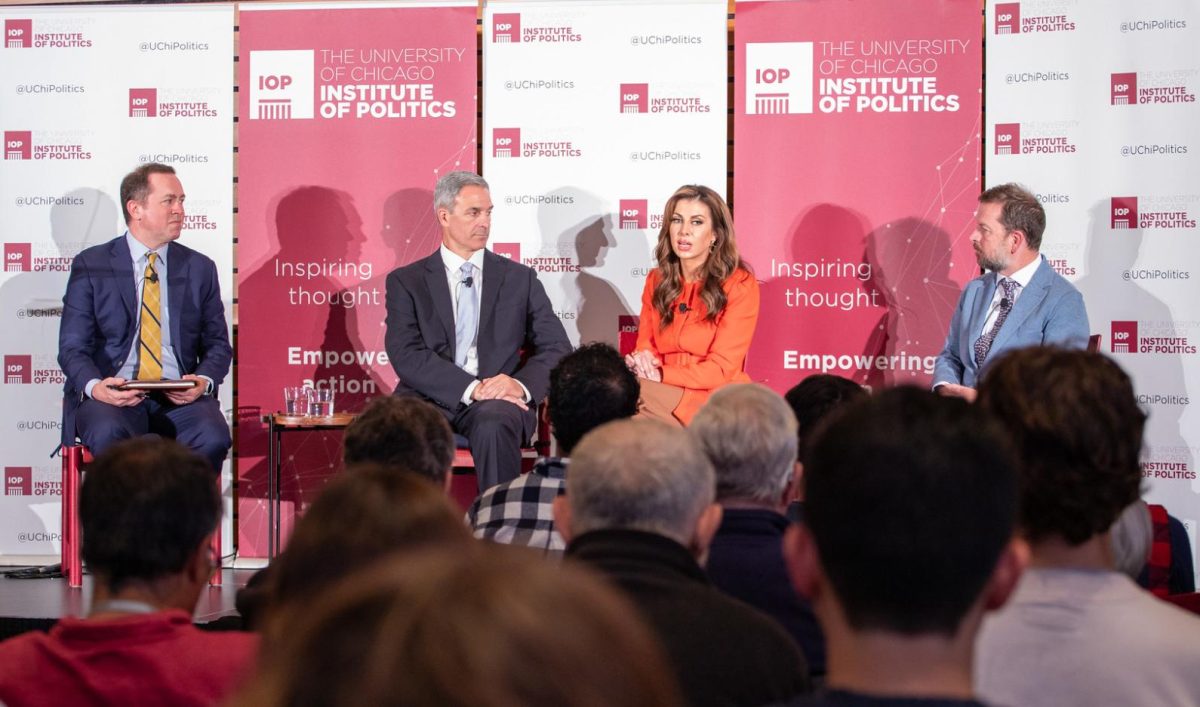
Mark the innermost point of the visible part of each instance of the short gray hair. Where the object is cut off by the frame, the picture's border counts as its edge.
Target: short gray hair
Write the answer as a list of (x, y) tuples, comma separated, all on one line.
[(748, 432), (639, 475), (450, 185)]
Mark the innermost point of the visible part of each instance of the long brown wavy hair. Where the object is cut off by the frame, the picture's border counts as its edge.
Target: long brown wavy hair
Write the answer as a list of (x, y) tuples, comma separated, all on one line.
[(722, 261)]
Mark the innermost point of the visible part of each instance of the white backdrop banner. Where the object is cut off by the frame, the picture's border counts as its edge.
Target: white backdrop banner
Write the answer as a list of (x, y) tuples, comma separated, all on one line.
[(594, 113), (1092, 104), (87, 94)]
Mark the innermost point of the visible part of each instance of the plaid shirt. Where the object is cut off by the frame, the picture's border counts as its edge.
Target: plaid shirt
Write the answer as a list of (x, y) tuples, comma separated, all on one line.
[(520, 512)]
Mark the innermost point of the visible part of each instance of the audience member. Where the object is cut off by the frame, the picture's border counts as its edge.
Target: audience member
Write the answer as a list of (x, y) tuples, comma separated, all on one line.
[(811, 400), (908, 540), (496, 627), (749, 434), (1078, 632), (148, 508), (639, 507), (588, 387), (1169, 568), (361, 516), (401, 432), (815, 397), (1132, 534), (405, 434)]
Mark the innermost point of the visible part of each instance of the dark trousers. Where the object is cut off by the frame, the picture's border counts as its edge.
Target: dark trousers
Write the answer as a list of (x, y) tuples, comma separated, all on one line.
[(495, 429), (199, 426)]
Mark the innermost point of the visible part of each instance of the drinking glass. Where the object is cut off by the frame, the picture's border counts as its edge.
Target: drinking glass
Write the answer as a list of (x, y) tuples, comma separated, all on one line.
[(320, 402), (295, 400)]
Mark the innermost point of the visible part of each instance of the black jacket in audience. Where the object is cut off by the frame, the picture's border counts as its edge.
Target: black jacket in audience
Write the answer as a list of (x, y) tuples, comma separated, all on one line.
[(724, 652), (745, 561)]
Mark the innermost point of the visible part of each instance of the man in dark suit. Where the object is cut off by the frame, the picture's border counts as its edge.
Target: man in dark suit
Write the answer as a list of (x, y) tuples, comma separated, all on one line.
[(474, 332), (1020, 301), (142, 307)]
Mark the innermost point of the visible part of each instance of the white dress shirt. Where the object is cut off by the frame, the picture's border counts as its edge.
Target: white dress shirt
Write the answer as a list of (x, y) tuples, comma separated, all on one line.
[(453, 265)]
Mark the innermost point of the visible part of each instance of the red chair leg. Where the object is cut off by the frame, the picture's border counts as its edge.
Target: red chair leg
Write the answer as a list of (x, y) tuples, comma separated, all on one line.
[(215, 579), (74, 458)]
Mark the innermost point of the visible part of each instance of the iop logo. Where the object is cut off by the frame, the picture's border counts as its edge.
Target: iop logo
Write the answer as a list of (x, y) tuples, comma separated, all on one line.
[(18, 370), (281, 85), (18, 257), (1008, 18), (780, 78), (1008, 138), (634, 213), (143, 102), (18, 34), (1124, 89), (627, 333), (18, 481), (635, 98), (1124, 212), (1124, 337), (512, 251), (18, 144), (506, 28), (506, 142)]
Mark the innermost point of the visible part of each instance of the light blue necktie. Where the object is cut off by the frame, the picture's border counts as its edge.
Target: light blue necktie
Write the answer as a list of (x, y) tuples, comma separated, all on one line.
[(468, 315)]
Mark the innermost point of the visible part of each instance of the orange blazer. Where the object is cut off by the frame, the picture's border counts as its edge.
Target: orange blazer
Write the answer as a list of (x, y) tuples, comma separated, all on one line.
[(698, 355)]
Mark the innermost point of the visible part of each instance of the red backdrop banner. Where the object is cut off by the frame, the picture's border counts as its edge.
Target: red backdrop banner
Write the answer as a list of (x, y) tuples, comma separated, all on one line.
[(347, 118), (857, 160)]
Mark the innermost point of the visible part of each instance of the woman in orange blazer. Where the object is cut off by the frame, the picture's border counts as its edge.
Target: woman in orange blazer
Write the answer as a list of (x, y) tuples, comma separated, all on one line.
[(699, 308)]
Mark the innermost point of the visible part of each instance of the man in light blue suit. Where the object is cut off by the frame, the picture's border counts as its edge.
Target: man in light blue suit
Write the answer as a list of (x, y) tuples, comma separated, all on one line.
[(1020, 301)]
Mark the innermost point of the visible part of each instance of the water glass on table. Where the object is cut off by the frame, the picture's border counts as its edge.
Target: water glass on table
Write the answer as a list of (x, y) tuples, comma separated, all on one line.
[(295, 400), (320, 402)]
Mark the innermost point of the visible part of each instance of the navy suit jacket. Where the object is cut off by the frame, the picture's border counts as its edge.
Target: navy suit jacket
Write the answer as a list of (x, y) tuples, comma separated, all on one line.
[(100, 319), (1049, 311), (519, 334)]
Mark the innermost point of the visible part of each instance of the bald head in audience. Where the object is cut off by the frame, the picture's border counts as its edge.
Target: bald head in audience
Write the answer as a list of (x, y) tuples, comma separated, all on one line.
[(639, 475)]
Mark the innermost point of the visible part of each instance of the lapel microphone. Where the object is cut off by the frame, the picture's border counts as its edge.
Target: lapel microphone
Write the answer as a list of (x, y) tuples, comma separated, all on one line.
[(153, 276), (468, 281), (683, 307)]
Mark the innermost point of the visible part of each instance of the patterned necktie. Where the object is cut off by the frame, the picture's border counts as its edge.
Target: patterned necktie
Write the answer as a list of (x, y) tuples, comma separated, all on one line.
[(150, 337), (984, 344), (468, 314)]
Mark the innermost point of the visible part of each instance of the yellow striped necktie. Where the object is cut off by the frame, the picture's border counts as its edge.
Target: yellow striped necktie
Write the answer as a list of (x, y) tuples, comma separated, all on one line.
[(150, 338)]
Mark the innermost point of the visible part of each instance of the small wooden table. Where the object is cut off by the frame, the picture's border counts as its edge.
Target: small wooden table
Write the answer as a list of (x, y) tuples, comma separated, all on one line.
[(277, 424)]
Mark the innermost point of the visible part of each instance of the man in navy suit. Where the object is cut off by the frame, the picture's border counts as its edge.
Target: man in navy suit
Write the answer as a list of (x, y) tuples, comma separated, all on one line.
[(109, 317), (1020, 301), (473, 332)]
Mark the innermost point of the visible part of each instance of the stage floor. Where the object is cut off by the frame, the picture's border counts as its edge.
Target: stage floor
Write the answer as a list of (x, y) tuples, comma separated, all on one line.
[(27, 604)]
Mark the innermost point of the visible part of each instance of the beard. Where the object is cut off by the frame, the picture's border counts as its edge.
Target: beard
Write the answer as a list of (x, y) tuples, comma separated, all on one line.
[(995, 263)]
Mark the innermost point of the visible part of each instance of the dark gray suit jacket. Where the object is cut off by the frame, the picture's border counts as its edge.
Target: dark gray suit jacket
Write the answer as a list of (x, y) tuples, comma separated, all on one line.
[(519, 334)]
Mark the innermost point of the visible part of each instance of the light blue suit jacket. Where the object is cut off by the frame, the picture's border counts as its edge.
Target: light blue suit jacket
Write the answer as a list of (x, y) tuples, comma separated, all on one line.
[(1048, 311)]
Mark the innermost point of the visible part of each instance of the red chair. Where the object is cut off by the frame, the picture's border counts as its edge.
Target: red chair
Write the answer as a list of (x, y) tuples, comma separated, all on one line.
[(1093, 343), (75, 459)]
